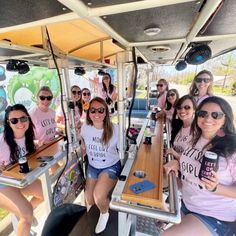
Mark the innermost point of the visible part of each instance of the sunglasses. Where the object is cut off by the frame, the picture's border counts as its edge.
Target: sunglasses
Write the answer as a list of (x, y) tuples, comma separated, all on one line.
[(42, 98), (186, 107), (205, 80), (171, 94), (86, 94), (100, 110), (160, 85), (74, 92), (216, 115), (22, 119)]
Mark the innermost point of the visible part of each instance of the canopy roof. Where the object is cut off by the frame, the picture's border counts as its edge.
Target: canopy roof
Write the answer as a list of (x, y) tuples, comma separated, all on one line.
[(95, 30)]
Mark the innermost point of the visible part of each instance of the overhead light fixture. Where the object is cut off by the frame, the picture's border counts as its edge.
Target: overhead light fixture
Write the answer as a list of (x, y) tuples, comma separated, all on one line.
[(79, 71), (181, 65), (152, 31), (159, 48), (101, 72), (21, 66), (198, 54)]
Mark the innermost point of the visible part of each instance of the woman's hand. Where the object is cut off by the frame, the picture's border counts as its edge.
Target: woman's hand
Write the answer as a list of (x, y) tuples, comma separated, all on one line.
[(172, 152), (160, 114), (172, 165), (211, 183)]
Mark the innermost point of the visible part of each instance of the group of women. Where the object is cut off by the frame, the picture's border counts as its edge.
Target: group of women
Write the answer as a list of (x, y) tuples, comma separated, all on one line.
[(24, 132), (201, 122)]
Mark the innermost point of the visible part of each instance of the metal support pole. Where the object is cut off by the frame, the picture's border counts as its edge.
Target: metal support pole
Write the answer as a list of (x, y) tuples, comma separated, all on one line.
[(121, 101)]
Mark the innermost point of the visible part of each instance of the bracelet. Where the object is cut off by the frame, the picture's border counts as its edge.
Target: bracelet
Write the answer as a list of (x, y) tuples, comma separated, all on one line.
[(214, 189)]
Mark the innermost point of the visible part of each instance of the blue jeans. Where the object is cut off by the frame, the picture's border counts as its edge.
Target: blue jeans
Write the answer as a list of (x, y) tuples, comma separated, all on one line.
[(112, 171), (216, 227)]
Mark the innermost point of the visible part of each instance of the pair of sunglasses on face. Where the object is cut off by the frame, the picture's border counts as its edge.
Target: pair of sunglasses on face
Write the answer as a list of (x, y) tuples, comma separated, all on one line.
[(100, 110), (160, 85), (74, 92), (22, 119), (216, 115), (186, 107), (170, 95), (42, 98), (205, 80), (86, 94)]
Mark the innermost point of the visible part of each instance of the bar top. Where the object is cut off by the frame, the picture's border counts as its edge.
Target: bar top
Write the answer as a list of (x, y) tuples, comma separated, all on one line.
[(150, 160)]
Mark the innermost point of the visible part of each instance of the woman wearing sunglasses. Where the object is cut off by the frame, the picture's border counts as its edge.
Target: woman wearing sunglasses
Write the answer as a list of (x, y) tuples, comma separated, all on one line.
[(108, 90), (180, 125), (201, 86), (172, 97), (162, 88), (77, 107), (86, 97), (43, 117), (100, 139), (18, 137), (209, 204)]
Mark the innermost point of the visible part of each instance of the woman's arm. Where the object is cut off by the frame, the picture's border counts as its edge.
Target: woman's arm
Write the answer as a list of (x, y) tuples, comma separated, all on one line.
[(173, 152)]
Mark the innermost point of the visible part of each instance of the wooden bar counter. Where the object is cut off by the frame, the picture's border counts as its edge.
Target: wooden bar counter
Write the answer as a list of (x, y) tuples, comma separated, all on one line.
[(46, 150), (150, 160)]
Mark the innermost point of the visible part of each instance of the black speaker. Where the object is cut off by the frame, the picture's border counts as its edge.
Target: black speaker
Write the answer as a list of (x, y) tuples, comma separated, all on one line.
[(79, 71), (181, 65), (198, 54)]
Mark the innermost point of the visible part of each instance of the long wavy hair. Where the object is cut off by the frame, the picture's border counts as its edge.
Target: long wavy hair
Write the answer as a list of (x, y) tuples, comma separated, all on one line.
[(107, 125), (193, 88), (225, 145), (79, 102), (168, 104), (177, 123), (9, 134), (111, 87)]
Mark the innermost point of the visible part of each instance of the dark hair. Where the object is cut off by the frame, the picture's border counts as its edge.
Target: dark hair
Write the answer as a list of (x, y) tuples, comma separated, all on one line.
[(164, 82), (176, 123), (9, 134), (193, 88), (107, 125), (168, 104), (78, 103), (225, 145), (111, 87)]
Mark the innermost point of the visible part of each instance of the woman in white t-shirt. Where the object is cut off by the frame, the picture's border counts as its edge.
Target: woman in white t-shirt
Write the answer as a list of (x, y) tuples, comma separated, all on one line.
[(100, 139), (209, 204), (18, 138), (181, 124)]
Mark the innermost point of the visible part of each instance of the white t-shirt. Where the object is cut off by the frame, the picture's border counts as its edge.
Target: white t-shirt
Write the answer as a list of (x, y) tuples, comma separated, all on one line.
[(100, 156), (44, 122)]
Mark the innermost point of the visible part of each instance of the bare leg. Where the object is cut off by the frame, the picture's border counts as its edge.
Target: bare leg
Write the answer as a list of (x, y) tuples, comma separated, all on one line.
[(90, 185), (101, 191), (13, 201), (190, 226), (35, 190)]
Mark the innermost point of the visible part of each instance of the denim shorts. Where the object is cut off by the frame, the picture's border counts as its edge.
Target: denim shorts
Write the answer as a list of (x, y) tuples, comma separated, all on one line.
[(216, 227), (112, 171)]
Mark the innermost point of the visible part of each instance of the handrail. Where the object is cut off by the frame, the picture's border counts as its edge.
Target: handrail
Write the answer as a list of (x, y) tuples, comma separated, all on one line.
[(173, 215)]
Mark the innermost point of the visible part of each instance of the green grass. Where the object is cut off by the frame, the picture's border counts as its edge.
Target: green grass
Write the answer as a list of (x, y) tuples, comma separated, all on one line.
[(219, 90), (3, 213)]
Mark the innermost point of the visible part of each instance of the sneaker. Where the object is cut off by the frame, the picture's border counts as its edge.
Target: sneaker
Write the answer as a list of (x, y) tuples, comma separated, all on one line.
[(102, 222)]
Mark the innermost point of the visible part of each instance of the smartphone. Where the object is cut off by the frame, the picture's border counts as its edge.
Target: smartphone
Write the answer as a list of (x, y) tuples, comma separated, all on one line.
[(45, 158), (142, 186)]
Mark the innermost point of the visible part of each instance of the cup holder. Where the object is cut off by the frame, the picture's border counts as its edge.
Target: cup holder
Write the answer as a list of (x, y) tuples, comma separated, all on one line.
[(140, 174)]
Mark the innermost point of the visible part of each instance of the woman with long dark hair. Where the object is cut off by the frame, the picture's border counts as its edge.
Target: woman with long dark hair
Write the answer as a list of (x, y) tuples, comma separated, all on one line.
[(205, 202), (201, 86), (100, 139), (18, 138)]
